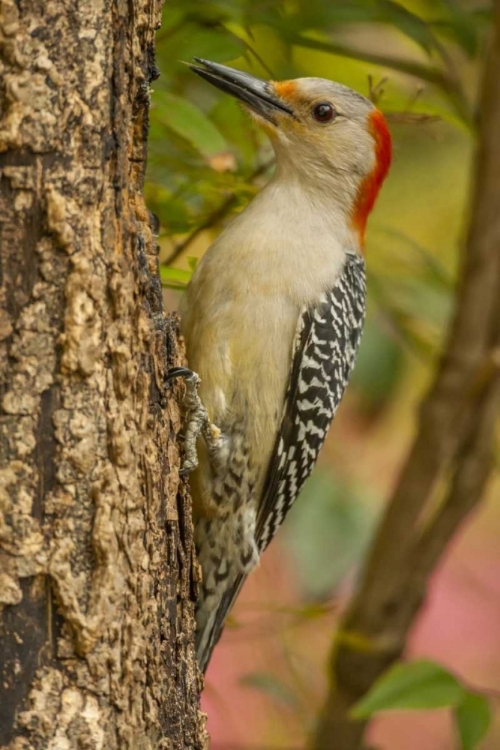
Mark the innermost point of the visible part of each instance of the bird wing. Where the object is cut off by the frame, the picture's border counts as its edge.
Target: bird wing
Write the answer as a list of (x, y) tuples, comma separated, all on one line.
[(325, 347)]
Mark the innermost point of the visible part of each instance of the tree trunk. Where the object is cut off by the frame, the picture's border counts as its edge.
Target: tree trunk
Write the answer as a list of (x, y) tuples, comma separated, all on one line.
[(97, 565)]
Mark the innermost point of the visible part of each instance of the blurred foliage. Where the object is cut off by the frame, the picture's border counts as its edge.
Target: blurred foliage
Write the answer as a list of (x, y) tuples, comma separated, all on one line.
[(419, 60), (427, 685), (327, 533), (207, 159), (273, 686), (192, 125)]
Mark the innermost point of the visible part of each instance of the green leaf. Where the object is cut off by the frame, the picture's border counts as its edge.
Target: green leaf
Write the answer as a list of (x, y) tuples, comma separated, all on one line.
[(473, 719), (192, 261), (420, 684), (171, 211), (213, 42), (365, 11), (171, 17), (236, 127), (463, 31), (185, 119), (408, 23), (174, 278), (273, 686)]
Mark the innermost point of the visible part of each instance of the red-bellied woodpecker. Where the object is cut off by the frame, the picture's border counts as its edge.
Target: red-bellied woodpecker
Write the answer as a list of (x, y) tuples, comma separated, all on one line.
[(272, 320)]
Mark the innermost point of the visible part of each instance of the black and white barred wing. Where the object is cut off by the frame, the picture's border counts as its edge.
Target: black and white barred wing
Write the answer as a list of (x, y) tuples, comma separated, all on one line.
[(325, 348)]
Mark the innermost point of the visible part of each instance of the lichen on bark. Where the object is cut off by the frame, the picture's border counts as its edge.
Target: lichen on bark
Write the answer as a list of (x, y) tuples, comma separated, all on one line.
[(97, 568)]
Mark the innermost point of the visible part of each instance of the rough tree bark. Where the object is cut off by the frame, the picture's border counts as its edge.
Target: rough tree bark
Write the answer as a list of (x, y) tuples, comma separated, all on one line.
[(96, 554), (451, 460)]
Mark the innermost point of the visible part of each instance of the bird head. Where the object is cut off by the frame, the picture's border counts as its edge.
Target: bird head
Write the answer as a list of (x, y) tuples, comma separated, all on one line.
[(330, 137)]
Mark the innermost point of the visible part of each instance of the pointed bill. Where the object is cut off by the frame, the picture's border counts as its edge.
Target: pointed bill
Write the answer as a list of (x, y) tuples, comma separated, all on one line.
[(253, 91)]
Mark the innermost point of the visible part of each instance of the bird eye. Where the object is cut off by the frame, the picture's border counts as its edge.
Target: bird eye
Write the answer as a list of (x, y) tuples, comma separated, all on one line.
[(323, 112)]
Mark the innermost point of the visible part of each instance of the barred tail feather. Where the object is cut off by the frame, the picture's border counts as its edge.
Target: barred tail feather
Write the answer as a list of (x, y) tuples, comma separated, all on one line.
[(210, 621)]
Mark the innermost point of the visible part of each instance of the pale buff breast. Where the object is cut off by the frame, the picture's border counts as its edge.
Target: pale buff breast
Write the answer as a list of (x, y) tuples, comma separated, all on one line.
[(241, 310)]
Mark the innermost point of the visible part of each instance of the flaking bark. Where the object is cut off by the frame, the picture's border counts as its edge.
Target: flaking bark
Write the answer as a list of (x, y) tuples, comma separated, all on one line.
[(96, 554)]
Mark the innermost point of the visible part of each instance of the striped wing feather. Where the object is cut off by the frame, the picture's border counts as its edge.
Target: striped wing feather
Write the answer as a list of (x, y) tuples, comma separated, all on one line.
[(326, 344), (325, 347)]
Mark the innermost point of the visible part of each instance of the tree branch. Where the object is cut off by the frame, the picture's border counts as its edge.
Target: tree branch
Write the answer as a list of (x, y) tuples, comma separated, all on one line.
[(454, 445)]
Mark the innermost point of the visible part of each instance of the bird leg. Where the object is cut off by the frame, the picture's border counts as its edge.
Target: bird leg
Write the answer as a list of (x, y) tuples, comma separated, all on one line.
[(197, 421)]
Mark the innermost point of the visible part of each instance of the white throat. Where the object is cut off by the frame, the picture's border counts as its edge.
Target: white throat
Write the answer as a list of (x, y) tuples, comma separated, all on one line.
[(290, 226)]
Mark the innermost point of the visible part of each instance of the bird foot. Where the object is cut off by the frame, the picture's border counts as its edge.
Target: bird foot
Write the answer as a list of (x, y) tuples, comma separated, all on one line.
[(197, 421)]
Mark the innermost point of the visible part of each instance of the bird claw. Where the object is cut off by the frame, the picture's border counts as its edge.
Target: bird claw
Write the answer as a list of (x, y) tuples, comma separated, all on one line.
[(182, 372), (197, 420), (186, 469)]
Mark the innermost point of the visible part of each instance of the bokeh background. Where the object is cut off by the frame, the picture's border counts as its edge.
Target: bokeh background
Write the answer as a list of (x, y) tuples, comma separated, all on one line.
[(421, 61)]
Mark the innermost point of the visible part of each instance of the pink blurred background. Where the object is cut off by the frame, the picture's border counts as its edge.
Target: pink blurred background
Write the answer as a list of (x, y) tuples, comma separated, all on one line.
[(269, 634)]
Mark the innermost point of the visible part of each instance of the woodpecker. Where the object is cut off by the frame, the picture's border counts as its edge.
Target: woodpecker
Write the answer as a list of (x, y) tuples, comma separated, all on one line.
[(272, 320)]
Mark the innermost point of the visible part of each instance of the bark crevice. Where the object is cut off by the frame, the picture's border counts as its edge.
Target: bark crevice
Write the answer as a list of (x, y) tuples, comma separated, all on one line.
[(96, 569)]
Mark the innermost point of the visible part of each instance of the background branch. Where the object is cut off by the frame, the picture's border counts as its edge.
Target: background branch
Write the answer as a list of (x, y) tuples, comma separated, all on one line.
[(454, 446), (447, 81)]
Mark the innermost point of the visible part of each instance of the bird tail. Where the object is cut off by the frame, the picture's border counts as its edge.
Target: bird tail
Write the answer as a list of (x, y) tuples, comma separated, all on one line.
[(210, 620)]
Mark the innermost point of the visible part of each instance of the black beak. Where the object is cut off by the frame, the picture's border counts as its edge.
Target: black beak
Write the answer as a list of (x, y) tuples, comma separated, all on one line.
[(253, 91)]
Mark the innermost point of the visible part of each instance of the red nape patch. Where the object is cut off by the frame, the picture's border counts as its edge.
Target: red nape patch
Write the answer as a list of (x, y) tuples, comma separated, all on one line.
[(369, 188)]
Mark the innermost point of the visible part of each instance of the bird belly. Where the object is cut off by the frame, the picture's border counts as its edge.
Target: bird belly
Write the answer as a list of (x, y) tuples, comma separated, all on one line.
[(244, 376)]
